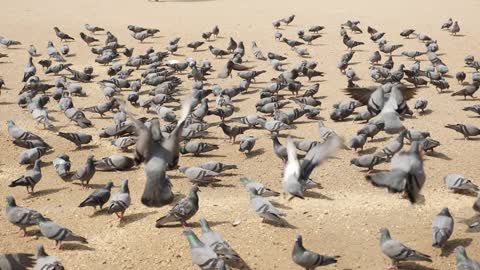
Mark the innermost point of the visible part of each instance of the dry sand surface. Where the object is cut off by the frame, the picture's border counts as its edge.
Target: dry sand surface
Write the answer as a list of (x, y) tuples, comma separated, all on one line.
[(343, 218)]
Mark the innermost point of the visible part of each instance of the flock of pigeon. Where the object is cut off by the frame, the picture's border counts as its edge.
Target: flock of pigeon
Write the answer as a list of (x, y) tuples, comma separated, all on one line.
[(160, 141)]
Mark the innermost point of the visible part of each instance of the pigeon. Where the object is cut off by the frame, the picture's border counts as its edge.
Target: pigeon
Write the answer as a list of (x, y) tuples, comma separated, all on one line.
[(274, 126), (93, 29), (350, 43), (463, 261), (120, 201), (216, 242), (458, 183), (62, 165), (406, 174), (45, 261), (16, 261), (141, 36), (475, 108), (460, 76), (202, 255), (397, 251), (199, 175), (288, 20), (259, 188), (375, 57), (114, 163), (468, 90), (217, 167), (309, 259), (77, 138), (54, 231), (197, 148), (325, 132), (124, 142), (421, 104), (232, 131), (296, 176), (20, 216), (447, 24), (316, 28), (367, 161), (86, 172), (358, 141), (195, 45), (466, 129), (307, 38), (9, 42), (183, 210), (246, 144), (265, 209), (99, 197), (442, 228), (29, 156), (29, 70), (217, 51), (61, 35), (30, 178), (18, 133), (455, 28)]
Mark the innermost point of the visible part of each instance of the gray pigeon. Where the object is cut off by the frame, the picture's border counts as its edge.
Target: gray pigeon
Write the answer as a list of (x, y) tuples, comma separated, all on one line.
[(442, 228), (309, 259), (62, 165), (215, 241), (124, 142), (29, 156), (86, 172), (203, 255), (45, 261), (54, 231), (216, 166), (197, 148), (199, 175), (114, 163), (358, 141), (16, 261), (466, 129), (395, 145), (246, 144), (120, 201), (18, 133), (98, 197), (77, 138), (265, 209), (406, 174), (325, 132), (259, 188), (20, 216), (397, 251), (367, 161), (458, 183), (30, 178), (463, 261), (183, 210)]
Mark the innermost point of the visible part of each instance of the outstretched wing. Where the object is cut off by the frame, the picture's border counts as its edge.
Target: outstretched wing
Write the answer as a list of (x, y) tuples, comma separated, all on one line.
[(361, 94)]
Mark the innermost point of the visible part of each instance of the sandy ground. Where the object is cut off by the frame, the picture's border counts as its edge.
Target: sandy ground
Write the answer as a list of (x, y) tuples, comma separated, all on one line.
[(342, 219)]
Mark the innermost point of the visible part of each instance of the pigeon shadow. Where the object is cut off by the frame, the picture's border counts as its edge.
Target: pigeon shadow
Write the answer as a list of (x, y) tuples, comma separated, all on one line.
[(210, 156), (254, 153), (370, 150), (91, 186), (452, 244), (438, 155), (194, 224), (414, 266), (317, 195), (74, 246), (101, 212), (279, 205), (134, 217), (45, 192), (425, 112), (285, 224), (86, 147)]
